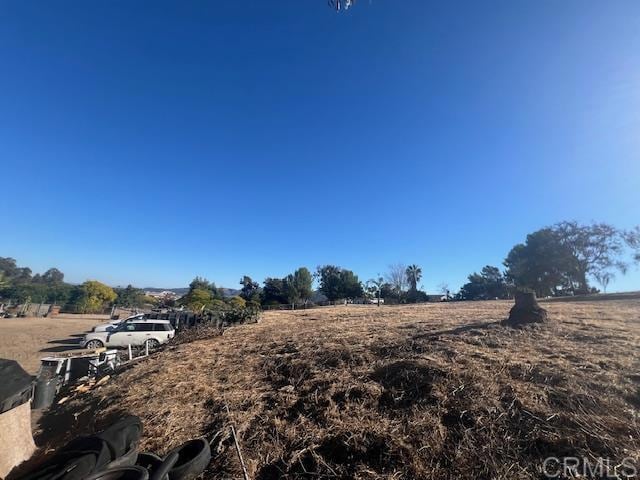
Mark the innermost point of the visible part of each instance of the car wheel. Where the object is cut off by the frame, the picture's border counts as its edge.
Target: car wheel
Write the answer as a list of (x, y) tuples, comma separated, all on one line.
[(91, 344), (152, 343)]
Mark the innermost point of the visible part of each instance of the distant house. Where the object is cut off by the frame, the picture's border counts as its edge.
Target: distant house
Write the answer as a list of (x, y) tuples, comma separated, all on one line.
[(438, 298), (164, 294)]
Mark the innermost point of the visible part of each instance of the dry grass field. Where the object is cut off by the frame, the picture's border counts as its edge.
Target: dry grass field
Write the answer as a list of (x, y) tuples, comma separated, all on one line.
[(29, 339), (417, 392)]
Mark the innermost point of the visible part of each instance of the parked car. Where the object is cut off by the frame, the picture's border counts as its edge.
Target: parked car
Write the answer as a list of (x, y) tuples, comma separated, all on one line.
[(134, 333), (107, 327)]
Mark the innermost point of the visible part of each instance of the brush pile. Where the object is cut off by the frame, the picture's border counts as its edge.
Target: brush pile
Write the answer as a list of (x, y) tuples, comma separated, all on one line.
[(433, 391)]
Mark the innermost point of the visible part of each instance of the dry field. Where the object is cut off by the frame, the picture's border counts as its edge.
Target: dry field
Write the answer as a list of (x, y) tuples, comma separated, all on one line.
[(29, 339), (417, 392)]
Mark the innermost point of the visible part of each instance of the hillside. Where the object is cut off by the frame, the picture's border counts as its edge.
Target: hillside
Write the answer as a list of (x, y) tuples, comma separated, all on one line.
[(432, 391)]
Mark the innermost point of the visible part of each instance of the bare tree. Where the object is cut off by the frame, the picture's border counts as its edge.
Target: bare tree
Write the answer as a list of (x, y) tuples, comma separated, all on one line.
[(603, 279), (443, 288), (397, 277)]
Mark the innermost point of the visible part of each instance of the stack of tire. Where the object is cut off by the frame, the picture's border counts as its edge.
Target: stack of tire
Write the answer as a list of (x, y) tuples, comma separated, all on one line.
[(113, 455)]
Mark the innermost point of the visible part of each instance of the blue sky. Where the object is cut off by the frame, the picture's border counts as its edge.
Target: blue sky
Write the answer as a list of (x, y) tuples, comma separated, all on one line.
[(149, 142)]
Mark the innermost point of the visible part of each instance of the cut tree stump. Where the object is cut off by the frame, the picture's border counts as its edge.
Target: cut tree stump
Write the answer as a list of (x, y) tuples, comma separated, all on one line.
[(526, 311)]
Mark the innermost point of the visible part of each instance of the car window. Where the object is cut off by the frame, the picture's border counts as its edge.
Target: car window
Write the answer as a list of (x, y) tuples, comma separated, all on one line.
[(162, 327), (143, 327)]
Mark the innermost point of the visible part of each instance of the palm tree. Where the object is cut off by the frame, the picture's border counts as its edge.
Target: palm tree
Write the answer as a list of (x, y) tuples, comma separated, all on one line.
[(375, 285), (414, 274)]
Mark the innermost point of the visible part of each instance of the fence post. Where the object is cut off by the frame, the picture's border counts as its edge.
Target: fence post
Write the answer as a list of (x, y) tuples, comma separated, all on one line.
[(130, 356), (146, 348)]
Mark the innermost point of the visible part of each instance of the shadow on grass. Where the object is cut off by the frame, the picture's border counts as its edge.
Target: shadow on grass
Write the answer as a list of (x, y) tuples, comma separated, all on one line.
[(60, 348), (457, 330)]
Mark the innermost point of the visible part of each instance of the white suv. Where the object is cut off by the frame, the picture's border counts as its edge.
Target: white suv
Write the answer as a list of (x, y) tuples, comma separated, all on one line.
[(150, 332), (113, 324)]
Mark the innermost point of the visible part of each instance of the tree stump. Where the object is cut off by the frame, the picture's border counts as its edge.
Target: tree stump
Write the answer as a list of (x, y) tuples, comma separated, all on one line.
[(526, 311)]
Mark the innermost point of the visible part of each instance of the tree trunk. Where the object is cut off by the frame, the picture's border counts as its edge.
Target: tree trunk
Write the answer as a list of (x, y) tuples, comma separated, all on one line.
[(526, 311)]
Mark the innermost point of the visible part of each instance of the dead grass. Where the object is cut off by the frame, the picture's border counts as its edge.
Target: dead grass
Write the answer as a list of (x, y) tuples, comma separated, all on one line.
[(28, 339), (432, 391)]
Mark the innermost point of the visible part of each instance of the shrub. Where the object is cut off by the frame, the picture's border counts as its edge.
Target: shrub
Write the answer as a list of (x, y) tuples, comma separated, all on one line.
[(238, 302)]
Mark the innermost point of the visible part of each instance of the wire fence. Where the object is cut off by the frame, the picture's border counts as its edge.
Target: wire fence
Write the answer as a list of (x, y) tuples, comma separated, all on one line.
[(326, 303)]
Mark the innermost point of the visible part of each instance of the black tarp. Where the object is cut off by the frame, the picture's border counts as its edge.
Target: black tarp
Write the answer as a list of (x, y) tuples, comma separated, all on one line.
[(15, 385)]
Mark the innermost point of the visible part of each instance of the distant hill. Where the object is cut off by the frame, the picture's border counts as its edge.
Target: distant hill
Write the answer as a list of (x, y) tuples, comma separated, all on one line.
[(230, 292), (227, 292)]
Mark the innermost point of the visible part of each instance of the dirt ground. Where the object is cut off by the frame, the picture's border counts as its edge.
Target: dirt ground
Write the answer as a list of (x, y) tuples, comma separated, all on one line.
[(28, 339), (413, 392)]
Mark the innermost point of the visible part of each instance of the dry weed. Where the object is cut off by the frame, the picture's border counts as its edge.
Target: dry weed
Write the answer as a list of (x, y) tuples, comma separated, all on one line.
[(432, 391)]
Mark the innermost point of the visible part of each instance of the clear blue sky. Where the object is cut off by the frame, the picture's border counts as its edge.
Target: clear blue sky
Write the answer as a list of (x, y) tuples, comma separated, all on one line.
[(148, 142)]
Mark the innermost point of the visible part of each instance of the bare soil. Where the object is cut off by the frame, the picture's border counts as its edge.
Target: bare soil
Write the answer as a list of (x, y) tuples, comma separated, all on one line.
[(418, 392), (29, 339)]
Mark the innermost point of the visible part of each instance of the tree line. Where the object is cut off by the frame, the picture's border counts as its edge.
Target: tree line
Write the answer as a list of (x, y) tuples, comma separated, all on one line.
[(20, 285), (566, 258)]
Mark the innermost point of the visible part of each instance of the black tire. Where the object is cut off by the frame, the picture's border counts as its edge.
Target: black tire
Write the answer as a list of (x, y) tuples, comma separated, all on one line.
[(152, 343), (149, 461), (161, 472), (193, 458), (121, 473), (91, 344), (123, 438), (128, 459)]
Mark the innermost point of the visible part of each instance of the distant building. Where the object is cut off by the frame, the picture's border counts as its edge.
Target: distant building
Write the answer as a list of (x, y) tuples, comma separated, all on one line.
[(438, 298), (165, 294)]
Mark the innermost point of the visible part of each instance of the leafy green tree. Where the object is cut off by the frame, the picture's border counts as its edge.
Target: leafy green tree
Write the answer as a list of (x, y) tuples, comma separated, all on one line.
[(289, 289), (95, 296), (561, 259), (149, 300), (12, 273), (200, 283), (130, 297), (337, 283), (197, 299), (250, 290), (488, 284), (274, 292), (351, 285), (53, 276), (330, 282), (299, 286), (17, 284), (237, 302), (4, 281), (415, 296), (543, 263), (599, 249)]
